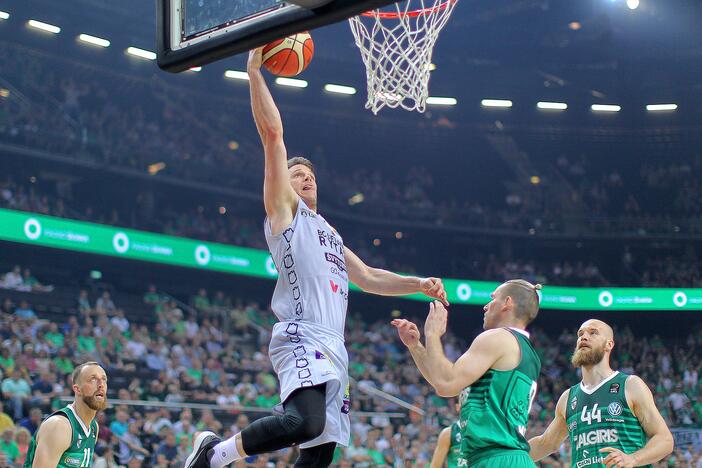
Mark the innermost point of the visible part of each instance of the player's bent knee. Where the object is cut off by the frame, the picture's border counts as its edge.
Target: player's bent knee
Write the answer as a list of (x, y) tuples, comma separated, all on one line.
[(311, 428)]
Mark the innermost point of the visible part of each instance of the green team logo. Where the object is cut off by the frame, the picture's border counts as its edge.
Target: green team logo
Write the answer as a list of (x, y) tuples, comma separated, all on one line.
[(614, 409), (574, 403)]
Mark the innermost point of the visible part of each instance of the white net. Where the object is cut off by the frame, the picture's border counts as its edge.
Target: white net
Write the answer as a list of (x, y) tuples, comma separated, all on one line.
[(396, 48)]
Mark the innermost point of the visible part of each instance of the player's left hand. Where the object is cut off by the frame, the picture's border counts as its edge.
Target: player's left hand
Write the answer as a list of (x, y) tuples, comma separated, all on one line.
[(617, 458), (435, 325), (434, 287)]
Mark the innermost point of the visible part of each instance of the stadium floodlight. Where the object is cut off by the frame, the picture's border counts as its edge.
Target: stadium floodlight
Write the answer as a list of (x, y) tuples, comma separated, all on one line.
[(98, 41), (442, 101), (43, 26), (141, 53), (552, 105), (4, 15), (632, 4), (292, 82), (661, 107), (605, 108), (496, 103), (339, 89), (236, 75)]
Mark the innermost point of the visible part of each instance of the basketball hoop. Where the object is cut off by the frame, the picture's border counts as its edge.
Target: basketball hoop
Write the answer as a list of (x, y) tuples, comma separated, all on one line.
[(396, 48)]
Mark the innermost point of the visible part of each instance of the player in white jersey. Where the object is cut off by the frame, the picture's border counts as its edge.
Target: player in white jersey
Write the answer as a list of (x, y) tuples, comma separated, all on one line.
[(310, 300)]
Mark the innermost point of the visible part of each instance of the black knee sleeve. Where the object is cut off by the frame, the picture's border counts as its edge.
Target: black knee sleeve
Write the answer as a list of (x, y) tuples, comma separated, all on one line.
[(320, 456), (304, 419)]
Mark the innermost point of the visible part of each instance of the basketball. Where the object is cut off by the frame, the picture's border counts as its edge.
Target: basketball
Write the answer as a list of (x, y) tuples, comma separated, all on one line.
[(289, 56)]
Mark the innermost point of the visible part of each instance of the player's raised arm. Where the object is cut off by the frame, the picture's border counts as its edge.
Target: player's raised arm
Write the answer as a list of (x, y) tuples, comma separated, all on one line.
[(278, 195), (660, 440), (53, 439), (443, 444), (447, 378), (552, 438), (387, 283)]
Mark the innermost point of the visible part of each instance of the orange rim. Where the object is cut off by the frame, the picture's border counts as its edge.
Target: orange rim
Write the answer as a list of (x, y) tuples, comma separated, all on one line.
[(411, 14)]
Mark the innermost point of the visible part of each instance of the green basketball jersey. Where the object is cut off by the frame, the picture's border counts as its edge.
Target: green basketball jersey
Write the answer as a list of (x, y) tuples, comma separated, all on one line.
[(601, 419), (495, 414), (454, 459), (80, 452)]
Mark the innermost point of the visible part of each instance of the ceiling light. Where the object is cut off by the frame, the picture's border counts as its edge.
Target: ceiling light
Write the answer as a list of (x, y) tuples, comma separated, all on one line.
[(632, 4), (236, 75), (141, 53), (552, 105), (339, 89), (496, 103), (661, 107), (4, 15), (98, 41), (442, 101), (292, 82), (195, 69), (356, 199), (44, 26), (155, 168), (575, 25), (605, 108)]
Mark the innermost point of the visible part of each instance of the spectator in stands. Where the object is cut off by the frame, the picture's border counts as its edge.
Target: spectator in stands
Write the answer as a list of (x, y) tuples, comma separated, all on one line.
[(104, 304), (130, 446), (167, 452), (104, 457), (201, 301), (42, 393), (8, 445), (7, 361), (13, 278), (120, 321), (24, 311), (16, 390), (22, 439), (120, 424), (5, 419), (83, 303), (32, 422)]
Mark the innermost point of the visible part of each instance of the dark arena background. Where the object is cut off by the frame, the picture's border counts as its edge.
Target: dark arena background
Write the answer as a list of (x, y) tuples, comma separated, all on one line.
[(131, 217)]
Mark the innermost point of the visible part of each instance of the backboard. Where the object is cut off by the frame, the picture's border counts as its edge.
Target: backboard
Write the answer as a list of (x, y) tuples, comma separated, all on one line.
[(197, 32)]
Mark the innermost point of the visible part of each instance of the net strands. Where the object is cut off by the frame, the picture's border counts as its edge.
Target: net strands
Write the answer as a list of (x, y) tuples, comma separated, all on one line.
[(396, 48)]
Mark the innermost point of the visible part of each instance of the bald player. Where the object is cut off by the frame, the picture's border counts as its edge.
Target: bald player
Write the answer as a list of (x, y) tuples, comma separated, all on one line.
[(611, 417), (66, 439), (501, 367)]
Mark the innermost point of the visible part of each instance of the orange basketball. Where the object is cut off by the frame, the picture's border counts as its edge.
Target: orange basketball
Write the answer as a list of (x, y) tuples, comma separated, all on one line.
[(289, 56)]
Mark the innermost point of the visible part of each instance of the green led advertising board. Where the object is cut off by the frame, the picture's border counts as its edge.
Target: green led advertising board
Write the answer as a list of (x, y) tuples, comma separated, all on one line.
[(48, 231)]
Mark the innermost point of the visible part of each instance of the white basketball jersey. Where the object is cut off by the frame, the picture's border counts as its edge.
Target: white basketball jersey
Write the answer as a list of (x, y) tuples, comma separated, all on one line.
[(312, 282)]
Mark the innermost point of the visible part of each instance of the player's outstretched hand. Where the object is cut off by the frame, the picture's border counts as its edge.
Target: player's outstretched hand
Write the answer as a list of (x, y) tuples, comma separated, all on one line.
[(434, 287), (255, 59), (408, 331), (435, 325), (617, 458)]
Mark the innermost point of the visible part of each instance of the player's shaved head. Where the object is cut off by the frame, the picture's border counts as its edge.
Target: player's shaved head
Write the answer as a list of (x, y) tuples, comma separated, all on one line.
[(604, 329)]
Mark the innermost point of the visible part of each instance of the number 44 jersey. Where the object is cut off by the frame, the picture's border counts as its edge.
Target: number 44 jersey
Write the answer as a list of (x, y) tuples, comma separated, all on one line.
[(601, 418)]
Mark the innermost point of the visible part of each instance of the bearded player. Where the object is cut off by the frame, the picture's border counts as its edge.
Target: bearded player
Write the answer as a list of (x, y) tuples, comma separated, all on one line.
[(501, 368), (611, 417), (66, 439), (310, 300)]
